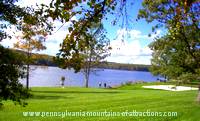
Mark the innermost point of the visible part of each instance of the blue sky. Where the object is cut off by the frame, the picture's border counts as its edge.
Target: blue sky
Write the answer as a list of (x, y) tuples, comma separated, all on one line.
[(132, 50)]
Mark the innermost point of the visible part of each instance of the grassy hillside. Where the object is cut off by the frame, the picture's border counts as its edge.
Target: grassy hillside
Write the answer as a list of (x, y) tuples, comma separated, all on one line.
[(119, 100)]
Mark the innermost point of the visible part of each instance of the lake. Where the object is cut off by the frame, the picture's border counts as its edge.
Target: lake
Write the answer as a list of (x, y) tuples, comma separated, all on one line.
[(42, 76)]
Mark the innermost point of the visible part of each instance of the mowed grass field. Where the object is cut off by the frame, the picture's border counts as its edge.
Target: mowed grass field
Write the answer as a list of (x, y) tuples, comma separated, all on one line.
[(126, 98)]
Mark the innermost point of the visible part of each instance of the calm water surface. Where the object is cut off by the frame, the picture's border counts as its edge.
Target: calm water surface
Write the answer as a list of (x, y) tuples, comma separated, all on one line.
[(50, 76)]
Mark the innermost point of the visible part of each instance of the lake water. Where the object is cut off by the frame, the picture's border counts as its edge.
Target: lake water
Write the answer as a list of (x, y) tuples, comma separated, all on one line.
[(50, 76)]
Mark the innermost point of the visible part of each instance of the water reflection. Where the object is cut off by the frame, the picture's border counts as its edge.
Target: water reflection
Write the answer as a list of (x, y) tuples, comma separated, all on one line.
[(50, 76)]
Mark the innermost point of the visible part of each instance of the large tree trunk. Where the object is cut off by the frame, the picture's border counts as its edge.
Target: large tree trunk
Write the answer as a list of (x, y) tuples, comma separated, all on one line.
[(86, 80), (87, 70), (28, 66), (27, 76), (86, 74)]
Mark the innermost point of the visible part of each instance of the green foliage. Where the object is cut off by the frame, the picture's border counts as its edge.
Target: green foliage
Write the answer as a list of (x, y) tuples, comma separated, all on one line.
[(169, 12), (96, 52), (33, 24), (32, 38), (87, 56), (176, 54), (12, 14), (9, 12), (82, 15), (11, 70), (34, 29), (93, 47), (78, 39)]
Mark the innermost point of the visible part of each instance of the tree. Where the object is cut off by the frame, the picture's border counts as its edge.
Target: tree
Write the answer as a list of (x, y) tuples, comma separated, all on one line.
[(32, 22), (9, 12), (87, 13), (176, 54), (90, 56), (32, 38), (11, 64), (34, 27), (95, 53)]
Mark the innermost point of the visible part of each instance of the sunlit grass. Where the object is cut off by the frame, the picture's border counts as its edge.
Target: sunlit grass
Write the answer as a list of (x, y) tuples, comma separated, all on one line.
[(91, 99)]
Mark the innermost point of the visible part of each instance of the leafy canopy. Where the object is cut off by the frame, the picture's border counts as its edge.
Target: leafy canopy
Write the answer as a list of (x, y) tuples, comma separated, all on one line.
[(176, 54), (12, 14), (87, 13)]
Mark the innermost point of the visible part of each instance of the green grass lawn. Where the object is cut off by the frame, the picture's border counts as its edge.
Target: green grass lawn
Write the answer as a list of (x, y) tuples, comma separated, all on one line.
[(117, 100)]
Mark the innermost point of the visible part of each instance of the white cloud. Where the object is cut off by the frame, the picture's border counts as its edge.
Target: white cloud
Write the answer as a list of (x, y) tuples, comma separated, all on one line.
[(24, 3), (135, 34), (132, 50), (52, 41), (129, 52)]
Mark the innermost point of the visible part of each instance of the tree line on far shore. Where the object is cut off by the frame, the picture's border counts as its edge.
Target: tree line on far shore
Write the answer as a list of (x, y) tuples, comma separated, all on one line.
[(48, 60)]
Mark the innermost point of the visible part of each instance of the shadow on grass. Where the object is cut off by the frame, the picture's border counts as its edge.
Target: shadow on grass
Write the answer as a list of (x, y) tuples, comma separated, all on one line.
[(48, 97), (78, 92)]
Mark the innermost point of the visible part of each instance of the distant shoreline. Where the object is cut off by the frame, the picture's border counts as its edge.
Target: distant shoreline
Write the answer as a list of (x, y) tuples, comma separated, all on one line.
[(47, 60), (97, 68)]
